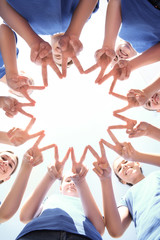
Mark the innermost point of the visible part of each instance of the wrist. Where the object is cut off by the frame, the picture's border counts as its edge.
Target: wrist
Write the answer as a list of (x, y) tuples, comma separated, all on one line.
[(51, 177)]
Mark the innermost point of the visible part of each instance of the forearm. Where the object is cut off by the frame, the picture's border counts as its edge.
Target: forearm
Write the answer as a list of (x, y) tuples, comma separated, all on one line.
[(150, 56), (153, 132), (113, 22), (80, 16), (111, 215), (14, 197), (8, 50), (4, 139), (33, 203), (152, 88), (148, 158), (90, 207), (17, 22)]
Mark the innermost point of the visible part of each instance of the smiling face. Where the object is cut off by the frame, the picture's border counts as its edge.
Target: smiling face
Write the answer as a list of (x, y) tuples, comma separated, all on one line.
[(125, 51), (68, 187), (127, 171), (154, 102), (56, 51), (8, 163)]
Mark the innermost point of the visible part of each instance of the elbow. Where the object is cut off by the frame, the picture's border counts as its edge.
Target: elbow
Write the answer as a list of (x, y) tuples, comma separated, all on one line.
[(5, 217), (23, 218), (101, 230), (114, 233)]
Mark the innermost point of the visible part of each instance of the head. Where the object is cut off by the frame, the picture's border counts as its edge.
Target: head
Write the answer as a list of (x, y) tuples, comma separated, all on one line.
[(68, 187), (8, 165), (153, 104), (56, 51), (124, 50), (127, 172)]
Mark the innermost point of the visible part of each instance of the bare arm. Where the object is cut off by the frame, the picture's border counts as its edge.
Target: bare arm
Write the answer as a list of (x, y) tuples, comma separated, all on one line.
[(4, 139), (152, 88), (80, 16), (115, 223), (113, 22)]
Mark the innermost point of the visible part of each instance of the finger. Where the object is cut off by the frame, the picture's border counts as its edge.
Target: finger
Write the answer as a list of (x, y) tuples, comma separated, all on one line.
[(25, 104), (66, 156), (112, 85), (97, 172), (117, 127), (100, 76), (36, 134), (44, 74), (25, 113), (105, 77), (108, 144), (95, 66), (47, 147), (10, 115), (73, 156), (56, 69), (38, 141), (64, 66), (26, 95), (37, 162), (56, 154), (114, 139), (29, 126), (36, 87), (96, 165), (122, 109), (78, 64), (94, 153), (103, 153), (83, 155)]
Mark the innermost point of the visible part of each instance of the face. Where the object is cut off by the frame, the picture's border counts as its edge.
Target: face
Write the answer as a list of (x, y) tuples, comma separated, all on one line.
[(56, 51), (68, 187), (154, 102), (125, 51), (8, 163), (127, 171)]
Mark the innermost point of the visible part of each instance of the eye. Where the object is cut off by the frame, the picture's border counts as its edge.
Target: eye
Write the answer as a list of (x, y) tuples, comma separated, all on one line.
[(3, 158), (149, 104), (119, 169), (10, 165)]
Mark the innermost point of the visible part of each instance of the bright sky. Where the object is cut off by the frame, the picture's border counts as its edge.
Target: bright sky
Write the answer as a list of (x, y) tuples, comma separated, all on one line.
[(76, 112)]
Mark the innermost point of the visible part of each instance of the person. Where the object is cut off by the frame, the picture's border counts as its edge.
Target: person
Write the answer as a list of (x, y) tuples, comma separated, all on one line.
[(71, 215), (57, 17), (140, 204), (17, 136), (8, 163), (130, 20), (19, 83)]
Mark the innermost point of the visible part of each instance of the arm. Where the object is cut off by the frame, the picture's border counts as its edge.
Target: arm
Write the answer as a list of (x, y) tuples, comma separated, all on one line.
[(89, 205), (152, 88), (80, 17), (32, 205), (115, 223), (113, 22), (4, 139), (150, 56)]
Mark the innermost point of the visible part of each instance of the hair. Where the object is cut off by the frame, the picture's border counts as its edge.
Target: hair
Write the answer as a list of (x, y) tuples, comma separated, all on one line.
[(68, 64), (1, 181)]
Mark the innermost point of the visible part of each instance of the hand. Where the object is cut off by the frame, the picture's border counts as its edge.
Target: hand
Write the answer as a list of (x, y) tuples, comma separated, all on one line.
[(79, 176), (18, 136), (101, 166), (11, 107), (123, 149), (138, 96), (55, 170), (41, 53), (70, 46), (103, 57), (130, 123), (34, 156), (77, 166), (22, 85), (121, 71), (140, 130)]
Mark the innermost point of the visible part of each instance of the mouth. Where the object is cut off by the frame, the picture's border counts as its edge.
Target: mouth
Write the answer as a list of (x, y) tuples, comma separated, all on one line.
[(122, 54), (155, 99)]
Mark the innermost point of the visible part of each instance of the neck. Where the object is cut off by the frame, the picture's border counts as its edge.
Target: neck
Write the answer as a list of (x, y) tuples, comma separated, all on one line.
[(138, 179)]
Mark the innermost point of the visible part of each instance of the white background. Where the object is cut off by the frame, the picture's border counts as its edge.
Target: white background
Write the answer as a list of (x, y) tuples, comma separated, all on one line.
[(75, 112)]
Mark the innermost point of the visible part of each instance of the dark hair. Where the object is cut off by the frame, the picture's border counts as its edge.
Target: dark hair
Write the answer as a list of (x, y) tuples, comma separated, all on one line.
[(68, 64), (1, 181), (120, 180)]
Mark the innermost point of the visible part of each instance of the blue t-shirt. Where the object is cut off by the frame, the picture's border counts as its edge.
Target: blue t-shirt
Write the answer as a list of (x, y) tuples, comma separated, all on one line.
[(46, 17), (143, 202), (140, 24), (2, 67), (63, 213)]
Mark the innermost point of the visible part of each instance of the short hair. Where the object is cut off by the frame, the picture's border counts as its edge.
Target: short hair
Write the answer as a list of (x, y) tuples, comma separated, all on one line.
[(1, 181), (68, 64)]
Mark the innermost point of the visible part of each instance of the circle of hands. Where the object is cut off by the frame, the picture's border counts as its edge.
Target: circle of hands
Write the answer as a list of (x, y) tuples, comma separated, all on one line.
[(70, 47)]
